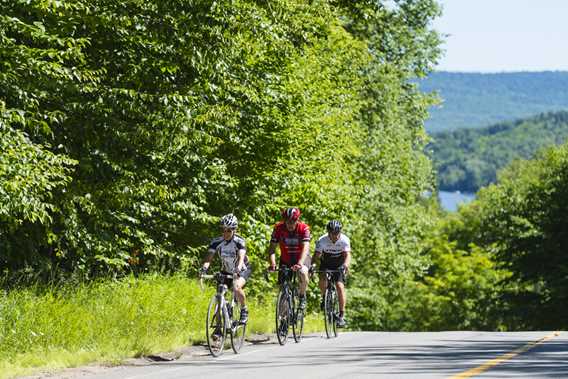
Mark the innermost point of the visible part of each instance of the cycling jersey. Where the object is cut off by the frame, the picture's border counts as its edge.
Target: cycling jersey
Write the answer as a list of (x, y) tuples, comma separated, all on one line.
[(333, 252), (290, 242), (228, 252)]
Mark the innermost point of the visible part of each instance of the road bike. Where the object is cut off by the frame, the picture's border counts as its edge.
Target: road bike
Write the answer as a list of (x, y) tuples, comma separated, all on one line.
[(331, 304), (288, 310), (223, 316)]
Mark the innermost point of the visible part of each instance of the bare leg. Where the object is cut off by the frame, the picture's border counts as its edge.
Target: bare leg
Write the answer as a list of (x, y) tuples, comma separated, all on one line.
[(303, 276), (239, 292), (341, 296), (322, 285)]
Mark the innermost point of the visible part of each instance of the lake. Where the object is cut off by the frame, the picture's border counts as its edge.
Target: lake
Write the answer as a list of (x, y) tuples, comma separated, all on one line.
[(451, 200)]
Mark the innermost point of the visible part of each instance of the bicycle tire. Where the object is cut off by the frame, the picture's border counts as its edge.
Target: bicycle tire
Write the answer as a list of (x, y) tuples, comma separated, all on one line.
[(215, 326), (282, 316), (297, 318), (329, 317), (238, 330), (335, 308)]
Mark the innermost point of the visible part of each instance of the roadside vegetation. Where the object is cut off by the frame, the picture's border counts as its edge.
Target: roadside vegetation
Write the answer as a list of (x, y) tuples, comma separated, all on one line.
[(47, 328), (128, 129)]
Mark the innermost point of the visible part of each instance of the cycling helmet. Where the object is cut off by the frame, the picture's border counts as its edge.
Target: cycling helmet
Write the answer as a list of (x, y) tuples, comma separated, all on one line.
[(292, 214), (334, 227), (229, 221)]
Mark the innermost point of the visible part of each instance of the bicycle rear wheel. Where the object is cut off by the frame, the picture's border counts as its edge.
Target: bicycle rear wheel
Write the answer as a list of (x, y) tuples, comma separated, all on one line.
[(330, 307), (238, 330), (282, 316), (215, 327), (298, 319)]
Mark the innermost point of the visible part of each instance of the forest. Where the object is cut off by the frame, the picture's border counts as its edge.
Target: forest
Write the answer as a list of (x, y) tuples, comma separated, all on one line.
[(473, 100), (468, 159)]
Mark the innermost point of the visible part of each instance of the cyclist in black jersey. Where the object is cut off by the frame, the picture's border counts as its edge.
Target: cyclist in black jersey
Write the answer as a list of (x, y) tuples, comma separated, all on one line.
[(232, 251)]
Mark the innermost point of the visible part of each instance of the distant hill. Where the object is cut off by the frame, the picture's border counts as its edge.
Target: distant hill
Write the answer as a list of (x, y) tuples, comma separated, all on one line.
[(472, 100), (467, 159)]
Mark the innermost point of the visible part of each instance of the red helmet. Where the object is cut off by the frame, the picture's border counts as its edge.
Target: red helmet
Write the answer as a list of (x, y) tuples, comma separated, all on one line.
[(292, 214)]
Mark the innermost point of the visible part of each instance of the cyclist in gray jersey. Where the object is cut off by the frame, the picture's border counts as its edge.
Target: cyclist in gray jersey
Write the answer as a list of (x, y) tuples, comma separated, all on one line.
[(334, 252), (232, 251)]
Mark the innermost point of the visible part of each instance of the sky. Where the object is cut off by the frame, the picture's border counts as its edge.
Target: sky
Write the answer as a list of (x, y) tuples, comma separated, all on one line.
[(504, 35)]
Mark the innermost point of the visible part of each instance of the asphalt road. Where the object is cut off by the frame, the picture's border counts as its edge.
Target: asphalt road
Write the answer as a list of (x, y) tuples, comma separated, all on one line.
[(372, 355)]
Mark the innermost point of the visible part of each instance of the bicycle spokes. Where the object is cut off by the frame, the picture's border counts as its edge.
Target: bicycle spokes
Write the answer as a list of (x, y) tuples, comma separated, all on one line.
[(216, 326), (238, 330), (283, 311), (331, 310)]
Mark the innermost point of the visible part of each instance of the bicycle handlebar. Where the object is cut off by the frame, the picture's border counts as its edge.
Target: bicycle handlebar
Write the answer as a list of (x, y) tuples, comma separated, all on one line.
[(329, 271), (215, 276), (284, 269)]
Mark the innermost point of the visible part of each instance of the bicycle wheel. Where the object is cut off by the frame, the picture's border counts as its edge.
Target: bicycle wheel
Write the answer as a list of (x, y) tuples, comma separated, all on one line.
[(282, 316), (297, 318), (329, 313), (335, 313), (215, 327), (238, 330)]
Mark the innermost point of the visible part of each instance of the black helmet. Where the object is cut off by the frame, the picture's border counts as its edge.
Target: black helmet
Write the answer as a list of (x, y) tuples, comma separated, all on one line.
[(333, 226)]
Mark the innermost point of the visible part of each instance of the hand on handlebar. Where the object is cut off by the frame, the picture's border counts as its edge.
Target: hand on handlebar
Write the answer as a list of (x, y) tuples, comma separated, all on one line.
[(202, 271), (312, 269), (272, 267), (296, 267)]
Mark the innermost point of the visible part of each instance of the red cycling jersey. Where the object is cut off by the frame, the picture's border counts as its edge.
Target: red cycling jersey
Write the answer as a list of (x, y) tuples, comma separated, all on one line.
[(290, 242)]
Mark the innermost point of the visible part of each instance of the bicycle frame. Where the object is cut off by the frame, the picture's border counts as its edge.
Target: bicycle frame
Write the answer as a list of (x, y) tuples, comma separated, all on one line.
[(227, 309), (287, 296), (330, 303)]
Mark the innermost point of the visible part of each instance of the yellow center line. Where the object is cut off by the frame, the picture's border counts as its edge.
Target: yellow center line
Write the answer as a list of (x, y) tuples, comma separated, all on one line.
[(493, 362)]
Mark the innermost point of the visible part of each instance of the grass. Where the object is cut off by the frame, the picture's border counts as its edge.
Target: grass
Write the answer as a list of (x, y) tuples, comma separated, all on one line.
[(49, 328)]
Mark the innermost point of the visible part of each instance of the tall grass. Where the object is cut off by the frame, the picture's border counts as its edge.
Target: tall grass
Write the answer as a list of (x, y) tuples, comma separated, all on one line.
[(45, 327)]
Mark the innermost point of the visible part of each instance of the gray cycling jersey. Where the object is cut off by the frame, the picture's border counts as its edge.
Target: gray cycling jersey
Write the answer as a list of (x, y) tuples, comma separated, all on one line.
[(228, 252)]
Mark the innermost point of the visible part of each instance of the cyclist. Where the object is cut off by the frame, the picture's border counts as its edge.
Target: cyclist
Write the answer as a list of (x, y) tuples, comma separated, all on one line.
[(293, 237), (231, 249), (334, 250)]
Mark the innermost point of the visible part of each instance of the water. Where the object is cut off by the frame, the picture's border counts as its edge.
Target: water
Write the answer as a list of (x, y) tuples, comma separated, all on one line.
[(451, 200)]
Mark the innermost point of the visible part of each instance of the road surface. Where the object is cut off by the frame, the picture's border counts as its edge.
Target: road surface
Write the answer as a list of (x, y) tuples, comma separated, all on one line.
[(369, 355)]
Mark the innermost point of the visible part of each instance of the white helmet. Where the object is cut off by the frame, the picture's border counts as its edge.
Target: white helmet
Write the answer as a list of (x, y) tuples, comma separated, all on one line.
[(229, 221)]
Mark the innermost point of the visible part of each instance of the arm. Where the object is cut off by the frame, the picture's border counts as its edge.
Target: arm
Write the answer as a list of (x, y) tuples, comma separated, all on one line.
[(304, 253), (317, 257), (208, 258), (306, 237), (271, 252), (347, 261), (241, 261)]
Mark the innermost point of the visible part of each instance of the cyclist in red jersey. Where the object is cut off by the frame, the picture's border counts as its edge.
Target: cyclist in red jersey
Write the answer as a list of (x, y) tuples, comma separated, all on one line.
[(293, 237)]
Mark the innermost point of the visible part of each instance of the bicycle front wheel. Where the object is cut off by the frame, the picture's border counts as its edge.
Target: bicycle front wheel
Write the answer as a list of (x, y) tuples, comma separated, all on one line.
[(215, 326), (298, 319), (282, 316), (331, 310), (238, 330)]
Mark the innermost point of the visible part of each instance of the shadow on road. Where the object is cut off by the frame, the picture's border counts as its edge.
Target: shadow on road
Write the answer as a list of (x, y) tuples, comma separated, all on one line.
[(435, 356)]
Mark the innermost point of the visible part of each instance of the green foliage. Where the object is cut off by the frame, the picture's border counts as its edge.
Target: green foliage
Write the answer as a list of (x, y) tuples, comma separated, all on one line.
[(154, 118), (522, 222), (472, 100), (461, 290), (107, 321), (468, 159)]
